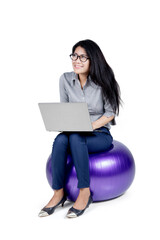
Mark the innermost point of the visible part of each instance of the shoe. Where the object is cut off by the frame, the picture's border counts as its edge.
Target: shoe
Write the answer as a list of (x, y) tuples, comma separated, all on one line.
[(73, 212), (48, 211)]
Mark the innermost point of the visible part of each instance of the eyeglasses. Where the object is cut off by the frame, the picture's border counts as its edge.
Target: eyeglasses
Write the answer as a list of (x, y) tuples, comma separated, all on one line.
[(75, 56)]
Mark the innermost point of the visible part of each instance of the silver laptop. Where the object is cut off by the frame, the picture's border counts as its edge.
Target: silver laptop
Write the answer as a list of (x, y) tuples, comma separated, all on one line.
[(66, 117)]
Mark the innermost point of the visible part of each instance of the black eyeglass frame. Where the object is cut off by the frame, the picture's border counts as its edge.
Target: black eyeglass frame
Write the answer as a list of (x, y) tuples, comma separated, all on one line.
[(78, 56)]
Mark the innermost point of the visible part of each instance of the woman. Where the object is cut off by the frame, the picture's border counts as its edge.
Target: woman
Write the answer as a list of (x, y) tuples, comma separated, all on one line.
[(92, 81)]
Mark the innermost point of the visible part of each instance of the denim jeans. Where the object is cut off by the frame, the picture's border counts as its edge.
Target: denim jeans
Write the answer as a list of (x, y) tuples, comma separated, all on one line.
[(79, 145)]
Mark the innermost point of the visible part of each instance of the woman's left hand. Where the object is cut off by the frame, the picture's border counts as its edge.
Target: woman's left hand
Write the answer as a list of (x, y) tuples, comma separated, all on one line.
[(93, 125), (101, 122)]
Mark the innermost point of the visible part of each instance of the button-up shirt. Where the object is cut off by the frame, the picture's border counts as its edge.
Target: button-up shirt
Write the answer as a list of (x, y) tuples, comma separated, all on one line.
[(71, 91)]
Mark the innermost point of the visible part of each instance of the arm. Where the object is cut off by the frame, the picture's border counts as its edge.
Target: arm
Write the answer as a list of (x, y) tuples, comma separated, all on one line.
[(106, 117), (101, 122), (62, 90)]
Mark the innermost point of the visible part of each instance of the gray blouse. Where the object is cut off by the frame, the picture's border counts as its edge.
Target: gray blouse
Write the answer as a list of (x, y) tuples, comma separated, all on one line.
[(71, 91)]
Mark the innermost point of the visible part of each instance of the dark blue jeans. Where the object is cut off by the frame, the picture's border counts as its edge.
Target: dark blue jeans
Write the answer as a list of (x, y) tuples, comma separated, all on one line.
[(79, 144)]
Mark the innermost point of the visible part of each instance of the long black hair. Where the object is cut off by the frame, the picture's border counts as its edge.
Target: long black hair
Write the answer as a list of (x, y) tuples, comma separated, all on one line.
[(101, 73)]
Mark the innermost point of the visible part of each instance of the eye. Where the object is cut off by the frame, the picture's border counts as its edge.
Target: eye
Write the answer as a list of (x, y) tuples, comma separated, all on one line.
[(83, 58), (74, 56)]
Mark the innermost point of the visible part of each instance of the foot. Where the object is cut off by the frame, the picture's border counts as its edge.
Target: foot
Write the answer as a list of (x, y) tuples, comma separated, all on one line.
[(57, 197), (81, 204), (82, 199)]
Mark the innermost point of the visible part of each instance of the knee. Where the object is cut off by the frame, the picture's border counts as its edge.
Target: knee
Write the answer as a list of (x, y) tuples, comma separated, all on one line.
[(76, 138), (61, 139)]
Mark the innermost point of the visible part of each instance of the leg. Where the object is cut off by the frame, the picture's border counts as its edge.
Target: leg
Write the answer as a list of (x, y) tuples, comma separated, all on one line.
[(98, 142), (79, 152), (58, 161), (80, 145)]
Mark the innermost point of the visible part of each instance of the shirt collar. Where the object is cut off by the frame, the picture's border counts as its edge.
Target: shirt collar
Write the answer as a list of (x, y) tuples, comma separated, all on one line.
[(75, 78)]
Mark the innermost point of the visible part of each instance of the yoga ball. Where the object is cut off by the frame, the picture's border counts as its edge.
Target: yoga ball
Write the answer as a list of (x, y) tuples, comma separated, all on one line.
[(111, 173)]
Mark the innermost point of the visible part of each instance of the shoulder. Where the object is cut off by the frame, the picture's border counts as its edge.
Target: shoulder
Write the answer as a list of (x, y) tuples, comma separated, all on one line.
[(67, 76)]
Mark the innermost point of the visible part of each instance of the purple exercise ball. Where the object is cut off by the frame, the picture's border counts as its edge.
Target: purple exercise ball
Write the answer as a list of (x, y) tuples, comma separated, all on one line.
[(111, 173)]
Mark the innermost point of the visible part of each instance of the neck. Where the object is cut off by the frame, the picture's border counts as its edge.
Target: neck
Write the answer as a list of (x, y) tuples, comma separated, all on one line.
[(83, 77)]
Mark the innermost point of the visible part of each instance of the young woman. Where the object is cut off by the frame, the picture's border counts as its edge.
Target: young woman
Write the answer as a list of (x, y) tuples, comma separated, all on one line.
[(93, 82)]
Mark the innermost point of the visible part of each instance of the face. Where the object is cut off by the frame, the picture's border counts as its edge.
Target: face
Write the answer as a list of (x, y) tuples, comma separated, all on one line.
[(78, 66)]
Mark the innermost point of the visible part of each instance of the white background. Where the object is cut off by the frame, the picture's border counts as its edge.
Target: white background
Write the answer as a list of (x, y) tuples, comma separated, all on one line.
[(35, 43)]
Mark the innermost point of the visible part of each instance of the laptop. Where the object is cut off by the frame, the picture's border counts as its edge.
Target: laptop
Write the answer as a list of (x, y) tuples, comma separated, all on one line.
[(66, 117)]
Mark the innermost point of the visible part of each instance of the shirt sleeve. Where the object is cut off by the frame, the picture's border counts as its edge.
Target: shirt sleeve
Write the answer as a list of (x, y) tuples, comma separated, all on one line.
[(108, 110), (62, 90)]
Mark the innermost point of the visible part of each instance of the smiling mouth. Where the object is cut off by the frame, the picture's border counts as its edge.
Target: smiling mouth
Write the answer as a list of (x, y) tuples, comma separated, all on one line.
[(77, 66)]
